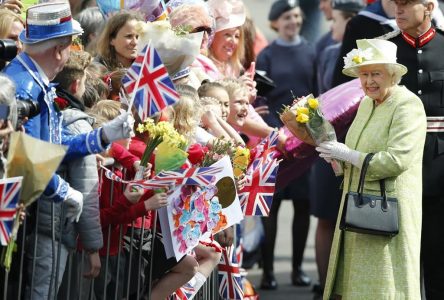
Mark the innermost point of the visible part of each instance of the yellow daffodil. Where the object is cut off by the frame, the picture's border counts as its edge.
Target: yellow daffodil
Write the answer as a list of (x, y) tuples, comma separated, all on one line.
[(313, 103), (302, 118), (241, 159), (140, 128), (302, 110), (357, 59)]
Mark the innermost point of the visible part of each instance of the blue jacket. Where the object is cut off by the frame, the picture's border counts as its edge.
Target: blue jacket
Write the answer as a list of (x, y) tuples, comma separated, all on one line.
[(47, 125)]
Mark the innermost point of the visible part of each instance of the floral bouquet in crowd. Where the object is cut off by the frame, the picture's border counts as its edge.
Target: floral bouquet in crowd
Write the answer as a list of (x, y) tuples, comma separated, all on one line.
[(239, 156), (177, 48), (304, 119), (162, 132)]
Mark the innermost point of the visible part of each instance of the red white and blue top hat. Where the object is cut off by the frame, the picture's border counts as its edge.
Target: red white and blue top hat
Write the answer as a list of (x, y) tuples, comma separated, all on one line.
[(48, 21)]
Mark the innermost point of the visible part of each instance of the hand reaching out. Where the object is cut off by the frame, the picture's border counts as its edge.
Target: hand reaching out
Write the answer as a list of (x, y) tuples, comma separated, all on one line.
[(13, 5), (133, 193), (157, 201), (240, 182)]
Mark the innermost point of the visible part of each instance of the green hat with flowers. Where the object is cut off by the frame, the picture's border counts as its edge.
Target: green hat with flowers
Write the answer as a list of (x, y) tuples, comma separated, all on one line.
[(372, 52)]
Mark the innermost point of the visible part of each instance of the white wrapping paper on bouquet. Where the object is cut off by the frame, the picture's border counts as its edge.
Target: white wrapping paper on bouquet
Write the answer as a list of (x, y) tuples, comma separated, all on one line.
[(176, 51)]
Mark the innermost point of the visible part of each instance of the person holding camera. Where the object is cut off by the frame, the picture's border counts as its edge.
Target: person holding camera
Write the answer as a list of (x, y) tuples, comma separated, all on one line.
[(7, 115), (11, 24), (47, 40)]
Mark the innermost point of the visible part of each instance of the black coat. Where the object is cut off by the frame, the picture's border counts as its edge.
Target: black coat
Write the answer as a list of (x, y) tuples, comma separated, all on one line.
[(359, 27), (425, 77)]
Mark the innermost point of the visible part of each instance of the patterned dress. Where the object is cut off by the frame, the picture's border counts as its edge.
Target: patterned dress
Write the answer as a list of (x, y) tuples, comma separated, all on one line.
[(365, 266)]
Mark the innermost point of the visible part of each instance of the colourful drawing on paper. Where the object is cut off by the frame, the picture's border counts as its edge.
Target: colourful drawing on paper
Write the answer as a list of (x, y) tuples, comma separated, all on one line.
[(196, 211)]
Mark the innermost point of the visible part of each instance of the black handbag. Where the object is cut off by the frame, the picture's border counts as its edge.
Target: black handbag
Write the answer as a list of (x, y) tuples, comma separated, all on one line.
[(370, 214)]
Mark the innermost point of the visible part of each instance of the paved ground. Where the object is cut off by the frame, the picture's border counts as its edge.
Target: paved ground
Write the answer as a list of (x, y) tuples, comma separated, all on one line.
[(259, 11), (282, 263)]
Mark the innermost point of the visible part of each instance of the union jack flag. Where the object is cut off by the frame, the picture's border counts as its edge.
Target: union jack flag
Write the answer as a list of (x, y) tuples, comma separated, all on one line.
[(230, 280), (9, 197), (185, 292), (267, 147), (191, 176), (257, 195), (149, 80), (146, 184), (111, 175)]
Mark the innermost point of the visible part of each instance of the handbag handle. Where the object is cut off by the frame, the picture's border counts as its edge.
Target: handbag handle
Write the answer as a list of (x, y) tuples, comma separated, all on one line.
[(365, 165)]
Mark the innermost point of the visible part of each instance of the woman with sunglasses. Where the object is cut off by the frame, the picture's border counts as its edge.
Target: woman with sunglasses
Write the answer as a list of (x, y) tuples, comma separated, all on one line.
[(196, 17)]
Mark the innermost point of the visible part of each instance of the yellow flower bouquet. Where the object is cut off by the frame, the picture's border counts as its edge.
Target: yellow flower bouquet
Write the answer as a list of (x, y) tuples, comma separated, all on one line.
[(158, 133), (305, 121), (296, 117), (240, 161)]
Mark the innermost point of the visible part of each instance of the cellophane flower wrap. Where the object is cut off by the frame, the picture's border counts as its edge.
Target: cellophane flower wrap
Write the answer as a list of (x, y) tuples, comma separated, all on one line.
[(311, 125), (158, 133), (176, 47)]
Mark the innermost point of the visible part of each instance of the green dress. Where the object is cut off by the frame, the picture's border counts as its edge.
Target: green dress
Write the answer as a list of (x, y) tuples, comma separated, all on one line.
[(365, 266)]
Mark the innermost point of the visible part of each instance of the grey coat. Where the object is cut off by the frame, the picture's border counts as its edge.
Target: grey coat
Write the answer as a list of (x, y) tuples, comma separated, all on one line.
[(81, 174)]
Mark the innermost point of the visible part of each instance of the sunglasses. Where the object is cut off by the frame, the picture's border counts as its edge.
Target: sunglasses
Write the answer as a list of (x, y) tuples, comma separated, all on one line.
[(206, 29)]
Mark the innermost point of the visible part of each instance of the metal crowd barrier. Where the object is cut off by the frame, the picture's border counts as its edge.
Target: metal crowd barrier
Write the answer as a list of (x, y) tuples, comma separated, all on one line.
[(74, 286)]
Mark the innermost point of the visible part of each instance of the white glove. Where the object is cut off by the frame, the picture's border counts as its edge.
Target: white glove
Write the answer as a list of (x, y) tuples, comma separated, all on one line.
[(334, 150), (74, 204), (118, 128)]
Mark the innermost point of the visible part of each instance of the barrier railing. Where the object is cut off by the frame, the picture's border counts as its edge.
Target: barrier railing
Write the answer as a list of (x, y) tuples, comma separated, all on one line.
[(121, 277)]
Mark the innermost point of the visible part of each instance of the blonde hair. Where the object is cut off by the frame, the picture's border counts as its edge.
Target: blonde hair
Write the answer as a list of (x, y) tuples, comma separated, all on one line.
[(234, 87), (211, 104), (235, 61), (105, 110), (112, 27), (186, 114), (207, 86), (7, 17)]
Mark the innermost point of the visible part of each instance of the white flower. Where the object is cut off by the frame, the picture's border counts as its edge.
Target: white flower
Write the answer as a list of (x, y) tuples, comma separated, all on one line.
[(357, 57)]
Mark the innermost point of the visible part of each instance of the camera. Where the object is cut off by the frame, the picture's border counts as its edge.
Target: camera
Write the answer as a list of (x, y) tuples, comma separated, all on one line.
[(26, 109), (8, 50)]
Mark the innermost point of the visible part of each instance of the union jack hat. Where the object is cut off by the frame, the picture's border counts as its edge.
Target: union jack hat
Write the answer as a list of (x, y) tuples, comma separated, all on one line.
[(48, 21)]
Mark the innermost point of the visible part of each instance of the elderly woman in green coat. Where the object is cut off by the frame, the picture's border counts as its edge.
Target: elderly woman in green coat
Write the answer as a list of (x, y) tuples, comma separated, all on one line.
[(390, 123)]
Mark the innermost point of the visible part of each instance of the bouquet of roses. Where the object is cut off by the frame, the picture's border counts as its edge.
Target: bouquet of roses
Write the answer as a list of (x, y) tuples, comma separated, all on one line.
[(305, 120)]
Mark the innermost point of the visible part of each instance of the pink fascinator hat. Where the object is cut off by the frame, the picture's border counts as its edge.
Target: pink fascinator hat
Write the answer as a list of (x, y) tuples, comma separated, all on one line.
[(227, 13)]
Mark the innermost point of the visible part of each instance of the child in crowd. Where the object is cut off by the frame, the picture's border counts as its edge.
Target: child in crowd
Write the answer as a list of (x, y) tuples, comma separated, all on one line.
[(216, 90), (238, 95), (190, 108), (81, 173), (119, 206)]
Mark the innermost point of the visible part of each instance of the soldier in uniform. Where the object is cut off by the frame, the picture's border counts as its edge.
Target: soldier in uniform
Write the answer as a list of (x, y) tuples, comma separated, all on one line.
[(420, 48)]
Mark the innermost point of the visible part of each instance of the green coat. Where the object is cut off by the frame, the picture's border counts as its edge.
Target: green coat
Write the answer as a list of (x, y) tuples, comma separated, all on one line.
[(365, 266)]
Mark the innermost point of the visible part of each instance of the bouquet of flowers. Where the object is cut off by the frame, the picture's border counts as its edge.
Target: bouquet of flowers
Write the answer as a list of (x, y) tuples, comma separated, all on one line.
[(239, 156), (158, 133), (177, 49), (305, 120)]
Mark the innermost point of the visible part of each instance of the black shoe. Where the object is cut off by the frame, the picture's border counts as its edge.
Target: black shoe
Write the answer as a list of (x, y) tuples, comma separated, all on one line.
[(299, 278), (268, 282), (318, 291)]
